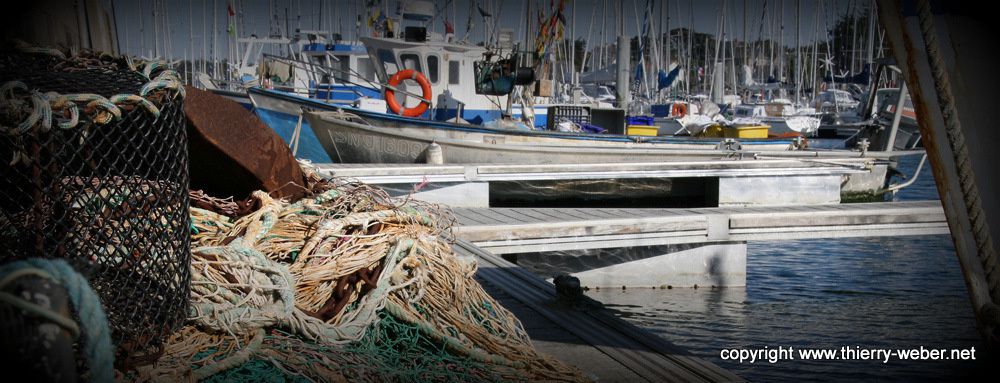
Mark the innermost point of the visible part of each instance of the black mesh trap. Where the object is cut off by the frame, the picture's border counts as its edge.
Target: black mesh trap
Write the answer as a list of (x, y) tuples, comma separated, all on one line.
[(110, 199)]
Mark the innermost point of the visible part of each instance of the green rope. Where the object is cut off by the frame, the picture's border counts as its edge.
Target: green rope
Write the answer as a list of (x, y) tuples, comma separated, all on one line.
[(255, 371), (238, 358), (400, 351)]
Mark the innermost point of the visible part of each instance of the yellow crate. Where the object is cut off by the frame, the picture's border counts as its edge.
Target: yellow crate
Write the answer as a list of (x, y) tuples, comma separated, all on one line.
[(713, 130), (642, 130), (746, 131)]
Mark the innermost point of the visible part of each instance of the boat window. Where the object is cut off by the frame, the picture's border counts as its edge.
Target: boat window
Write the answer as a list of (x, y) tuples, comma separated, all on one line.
[(366, 69), (433, 68), (388, 63), (343, 64), (453, 72), (410, 61)]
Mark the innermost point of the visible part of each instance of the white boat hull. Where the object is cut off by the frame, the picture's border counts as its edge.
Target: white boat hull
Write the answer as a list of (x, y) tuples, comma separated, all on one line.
[(358, 142), (804, 125)]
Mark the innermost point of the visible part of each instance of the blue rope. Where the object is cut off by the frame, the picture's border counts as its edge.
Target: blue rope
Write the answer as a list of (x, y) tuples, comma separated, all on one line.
[(97, 335)]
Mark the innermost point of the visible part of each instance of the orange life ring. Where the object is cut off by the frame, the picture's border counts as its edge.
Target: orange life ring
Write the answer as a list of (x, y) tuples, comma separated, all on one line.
[(390, 93), (679, 110)]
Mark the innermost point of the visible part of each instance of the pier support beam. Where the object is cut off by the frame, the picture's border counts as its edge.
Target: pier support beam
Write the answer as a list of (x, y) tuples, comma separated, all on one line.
[(720, 265), (453, 194), (779, 190)]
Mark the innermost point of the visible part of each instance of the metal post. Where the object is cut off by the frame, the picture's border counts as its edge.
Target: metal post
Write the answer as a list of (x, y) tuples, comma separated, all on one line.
[(872, 90), (891, 145)]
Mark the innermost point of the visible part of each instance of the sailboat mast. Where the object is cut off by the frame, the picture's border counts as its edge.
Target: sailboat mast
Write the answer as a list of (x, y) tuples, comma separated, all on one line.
[(690, 46), (236, 33), (669, 59), (770, 46), (725, 39), (204, 37), (798, 51), (745, 57), (854, 36), (732, 58), (718, 45), (572, 52), (815, 50), (871, 36), (622, 61), (781, 45)]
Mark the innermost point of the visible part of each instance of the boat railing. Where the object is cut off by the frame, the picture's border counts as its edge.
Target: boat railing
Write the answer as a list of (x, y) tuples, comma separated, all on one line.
[(338, 74), (460, 108), (312, 90), (305, 65)]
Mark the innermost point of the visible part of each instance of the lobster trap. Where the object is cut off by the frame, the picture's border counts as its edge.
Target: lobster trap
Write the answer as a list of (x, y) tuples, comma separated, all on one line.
[(94, 170)]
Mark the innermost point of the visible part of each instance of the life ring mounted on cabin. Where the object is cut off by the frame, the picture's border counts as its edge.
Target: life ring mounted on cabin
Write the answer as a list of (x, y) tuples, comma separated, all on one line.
[(679, 110), (390, 93)]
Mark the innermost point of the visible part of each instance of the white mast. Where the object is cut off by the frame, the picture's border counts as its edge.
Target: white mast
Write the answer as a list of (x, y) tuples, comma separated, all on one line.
[(815, 50), (690, 47), (665, 11), (720, 35), (622, 62), (781, 44), (798, 52), (770, 45), (572, 52)]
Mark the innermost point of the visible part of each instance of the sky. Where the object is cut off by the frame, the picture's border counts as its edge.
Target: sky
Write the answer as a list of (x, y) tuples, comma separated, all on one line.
[(187, 25)]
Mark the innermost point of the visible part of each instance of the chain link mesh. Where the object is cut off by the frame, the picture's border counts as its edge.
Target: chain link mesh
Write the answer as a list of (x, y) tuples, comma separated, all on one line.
[(110, 199)]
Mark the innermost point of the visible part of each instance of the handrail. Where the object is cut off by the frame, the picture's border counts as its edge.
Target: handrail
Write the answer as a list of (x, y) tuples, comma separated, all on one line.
[(311, 66)]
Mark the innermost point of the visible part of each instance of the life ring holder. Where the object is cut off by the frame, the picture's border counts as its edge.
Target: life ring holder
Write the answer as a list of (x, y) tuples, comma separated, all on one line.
[(678, 110), (390, 93)]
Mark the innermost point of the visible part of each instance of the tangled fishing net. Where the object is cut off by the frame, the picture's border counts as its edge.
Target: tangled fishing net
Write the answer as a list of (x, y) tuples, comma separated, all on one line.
[(345, 284)]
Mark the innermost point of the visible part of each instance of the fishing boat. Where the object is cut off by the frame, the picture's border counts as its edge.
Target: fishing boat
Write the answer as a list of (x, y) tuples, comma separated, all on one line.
[(352, 135), (321, 67), (450, 84)]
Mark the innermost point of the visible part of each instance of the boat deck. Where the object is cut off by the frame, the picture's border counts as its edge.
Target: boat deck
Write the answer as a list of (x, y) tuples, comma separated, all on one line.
[(523, 230), (604, 347)]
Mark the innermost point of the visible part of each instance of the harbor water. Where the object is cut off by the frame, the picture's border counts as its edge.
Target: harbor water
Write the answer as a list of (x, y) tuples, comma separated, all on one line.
[(889, 293)]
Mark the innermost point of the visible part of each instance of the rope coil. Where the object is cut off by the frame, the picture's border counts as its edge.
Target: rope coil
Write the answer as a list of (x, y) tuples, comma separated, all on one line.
[(39, 110), (338, 276)]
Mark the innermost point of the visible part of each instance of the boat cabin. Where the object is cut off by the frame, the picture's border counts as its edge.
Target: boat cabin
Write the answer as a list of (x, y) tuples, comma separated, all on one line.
[(448, 68)]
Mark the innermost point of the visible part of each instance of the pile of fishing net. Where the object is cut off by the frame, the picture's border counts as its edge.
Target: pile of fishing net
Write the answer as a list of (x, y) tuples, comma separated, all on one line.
[(345, 284)]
